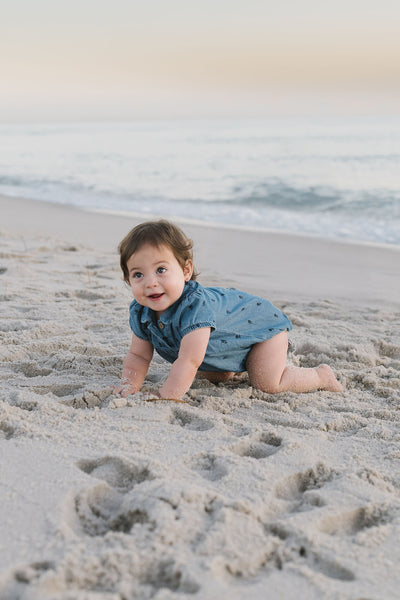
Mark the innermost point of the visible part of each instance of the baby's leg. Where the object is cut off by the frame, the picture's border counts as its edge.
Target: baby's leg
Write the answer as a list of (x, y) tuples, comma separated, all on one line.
[(266, 365)]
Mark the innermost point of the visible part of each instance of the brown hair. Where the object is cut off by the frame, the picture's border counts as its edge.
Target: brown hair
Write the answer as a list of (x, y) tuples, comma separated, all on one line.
[(156, 233)]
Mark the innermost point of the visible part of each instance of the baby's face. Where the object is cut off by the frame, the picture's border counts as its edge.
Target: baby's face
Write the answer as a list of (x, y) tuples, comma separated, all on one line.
[(156, 277)]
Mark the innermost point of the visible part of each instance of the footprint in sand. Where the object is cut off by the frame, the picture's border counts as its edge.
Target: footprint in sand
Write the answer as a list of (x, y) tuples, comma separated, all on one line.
[(236, 428), (189, 420), (11, 427), (352, 521), (329, 568), (58, 389), (14, 585), (31, 369), (34, 571), (89, 398), (259, 446), (100, 508), (165, 574), (19, 400), (210, 466), (7, 430), (117, 472), (298, 550), (300, 487)]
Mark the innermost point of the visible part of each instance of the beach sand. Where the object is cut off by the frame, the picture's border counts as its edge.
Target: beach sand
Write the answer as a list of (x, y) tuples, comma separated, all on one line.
[(235, 494)]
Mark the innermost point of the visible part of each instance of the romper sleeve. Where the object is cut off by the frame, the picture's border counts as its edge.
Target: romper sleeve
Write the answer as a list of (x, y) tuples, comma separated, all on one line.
[(197, 312), (138, 321)]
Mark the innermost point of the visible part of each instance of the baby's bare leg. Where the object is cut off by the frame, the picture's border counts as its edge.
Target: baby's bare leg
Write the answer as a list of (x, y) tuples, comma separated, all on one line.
[(266, 365), (215, 377)]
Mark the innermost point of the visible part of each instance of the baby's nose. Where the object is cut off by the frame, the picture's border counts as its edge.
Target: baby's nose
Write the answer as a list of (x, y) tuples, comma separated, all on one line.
[(151, 281)]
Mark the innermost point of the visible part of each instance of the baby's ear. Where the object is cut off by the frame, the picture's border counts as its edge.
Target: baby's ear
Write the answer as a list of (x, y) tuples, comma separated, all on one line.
[(188, 270)]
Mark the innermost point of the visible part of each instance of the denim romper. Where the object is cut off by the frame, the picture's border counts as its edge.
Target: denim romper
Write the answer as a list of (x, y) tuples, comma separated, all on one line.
[(238, 320)]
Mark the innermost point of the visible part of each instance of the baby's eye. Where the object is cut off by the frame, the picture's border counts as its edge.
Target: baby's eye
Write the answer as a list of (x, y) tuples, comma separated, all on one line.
[(161, 270), (137, 275)]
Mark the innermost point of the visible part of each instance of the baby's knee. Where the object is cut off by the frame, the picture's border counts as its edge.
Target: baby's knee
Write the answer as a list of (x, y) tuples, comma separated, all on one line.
[(269, 388), (266, 384)]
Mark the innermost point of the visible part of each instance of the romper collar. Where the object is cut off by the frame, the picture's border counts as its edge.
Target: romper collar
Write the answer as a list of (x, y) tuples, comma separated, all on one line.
[(149, 316)]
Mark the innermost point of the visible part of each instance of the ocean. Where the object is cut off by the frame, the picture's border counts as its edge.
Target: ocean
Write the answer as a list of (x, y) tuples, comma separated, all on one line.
[(332, 177)]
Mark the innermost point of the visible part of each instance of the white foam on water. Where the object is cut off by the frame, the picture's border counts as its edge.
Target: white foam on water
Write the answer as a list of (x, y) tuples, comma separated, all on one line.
[(332, 177)]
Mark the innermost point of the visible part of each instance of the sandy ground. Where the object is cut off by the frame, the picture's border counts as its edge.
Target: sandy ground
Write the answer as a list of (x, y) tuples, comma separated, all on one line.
[(235, 494)]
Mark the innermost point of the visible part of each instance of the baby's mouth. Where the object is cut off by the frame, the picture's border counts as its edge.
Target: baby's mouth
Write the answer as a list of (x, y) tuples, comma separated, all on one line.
[(156, 296)]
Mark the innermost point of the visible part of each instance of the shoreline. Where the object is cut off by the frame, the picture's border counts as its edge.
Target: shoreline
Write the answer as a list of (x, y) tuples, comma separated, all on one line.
[(137, 216), (240, 228), (272, 264)]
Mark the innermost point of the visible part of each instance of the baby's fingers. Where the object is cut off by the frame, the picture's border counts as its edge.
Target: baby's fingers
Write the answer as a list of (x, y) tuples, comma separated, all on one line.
[(124, 391)]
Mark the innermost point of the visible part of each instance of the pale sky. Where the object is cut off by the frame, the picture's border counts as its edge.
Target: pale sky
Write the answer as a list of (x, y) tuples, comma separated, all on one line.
[(122, 59)]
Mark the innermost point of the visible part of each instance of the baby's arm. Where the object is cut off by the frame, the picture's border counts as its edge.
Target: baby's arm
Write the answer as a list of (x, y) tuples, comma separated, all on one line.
[(191, 354), (135, 367)]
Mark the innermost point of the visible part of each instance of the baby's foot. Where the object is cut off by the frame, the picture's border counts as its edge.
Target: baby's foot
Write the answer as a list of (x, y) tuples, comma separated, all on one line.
[(328, 379)]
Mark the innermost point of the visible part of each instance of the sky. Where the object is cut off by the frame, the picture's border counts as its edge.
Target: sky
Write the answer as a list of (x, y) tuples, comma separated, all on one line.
[(66, 60)]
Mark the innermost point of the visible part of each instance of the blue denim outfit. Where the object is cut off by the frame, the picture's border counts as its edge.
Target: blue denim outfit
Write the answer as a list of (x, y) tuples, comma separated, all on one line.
[(237, 320)]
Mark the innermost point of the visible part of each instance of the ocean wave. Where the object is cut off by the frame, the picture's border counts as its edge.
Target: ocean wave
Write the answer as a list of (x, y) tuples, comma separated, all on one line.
[(337, 179)]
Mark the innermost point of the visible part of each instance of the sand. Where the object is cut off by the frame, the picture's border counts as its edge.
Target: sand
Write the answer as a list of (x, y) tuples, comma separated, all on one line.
[(234, 494)]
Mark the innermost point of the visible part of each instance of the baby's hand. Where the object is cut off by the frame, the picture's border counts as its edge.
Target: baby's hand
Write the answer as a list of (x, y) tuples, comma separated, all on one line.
[(124, 389)]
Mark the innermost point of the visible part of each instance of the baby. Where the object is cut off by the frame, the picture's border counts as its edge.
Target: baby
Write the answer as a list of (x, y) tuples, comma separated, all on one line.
[(216, 331)]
